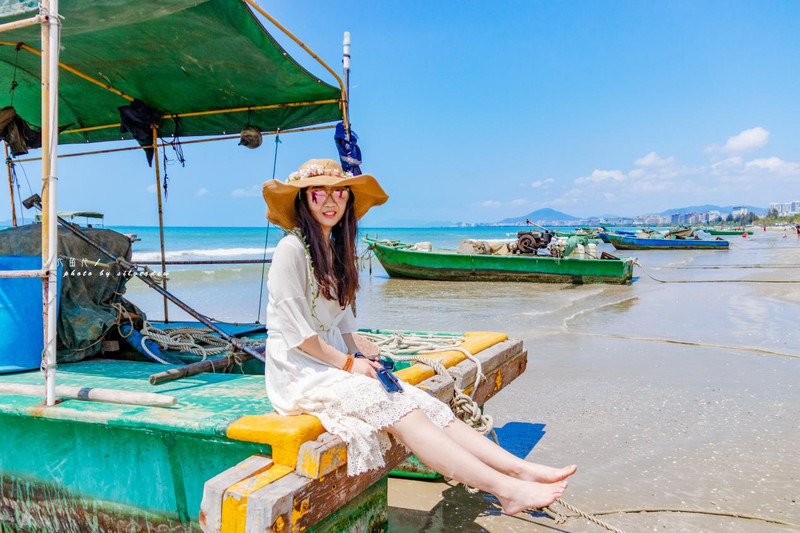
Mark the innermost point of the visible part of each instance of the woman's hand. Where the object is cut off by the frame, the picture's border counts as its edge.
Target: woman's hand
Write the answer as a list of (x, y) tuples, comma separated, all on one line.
[(365, 367)]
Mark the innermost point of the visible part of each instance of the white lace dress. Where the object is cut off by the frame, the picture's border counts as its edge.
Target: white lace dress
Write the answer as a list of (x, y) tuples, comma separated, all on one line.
[(353, 407)]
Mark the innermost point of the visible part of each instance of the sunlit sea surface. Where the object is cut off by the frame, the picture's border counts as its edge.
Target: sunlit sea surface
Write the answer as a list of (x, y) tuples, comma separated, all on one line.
[(718, 310)]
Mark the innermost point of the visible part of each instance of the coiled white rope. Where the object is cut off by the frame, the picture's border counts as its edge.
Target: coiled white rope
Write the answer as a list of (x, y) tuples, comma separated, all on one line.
[(419, 347)]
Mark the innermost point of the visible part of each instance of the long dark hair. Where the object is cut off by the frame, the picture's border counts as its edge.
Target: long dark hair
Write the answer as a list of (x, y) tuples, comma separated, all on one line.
[(338, 278)]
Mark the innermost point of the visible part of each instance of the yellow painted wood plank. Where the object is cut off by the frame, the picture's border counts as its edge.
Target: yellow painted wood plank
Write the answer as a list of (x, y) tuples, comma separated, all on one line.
[(284, 434), (474, 343), (234, 504)]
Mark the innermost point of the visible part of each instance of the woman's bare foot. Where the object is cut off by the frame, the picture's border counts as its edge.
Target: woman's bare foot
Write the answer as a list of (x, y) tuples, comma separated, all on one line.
[(531, 495), (545, 474)]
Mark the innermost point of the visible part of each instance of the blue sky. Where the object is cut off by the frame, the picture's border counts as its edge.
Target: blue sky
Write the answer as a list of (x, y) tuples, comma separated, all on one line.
[(477, 111)]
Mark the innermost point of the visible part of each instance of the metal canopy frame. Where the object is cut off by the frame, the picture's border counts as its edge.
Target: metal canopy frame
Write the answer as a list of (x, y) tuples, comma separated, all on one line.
[(50, 29)]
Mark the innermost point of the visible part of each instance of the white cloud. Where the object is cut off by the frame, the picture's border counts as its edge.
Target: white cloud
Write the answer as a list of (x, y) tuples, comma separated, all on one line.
[(656, 181), (745, 141), (541, 183), (255, 190), (599, 176), (653, 160), (731, 162), (151, 188), (775, 165), (490, 203), (519, 201), (202, 191)]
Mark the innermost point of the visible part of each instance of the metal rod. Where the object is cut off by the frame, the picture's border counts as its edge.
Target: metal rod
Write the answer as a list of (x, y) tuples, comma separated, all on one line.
[(54, 22), (145, 277), (213, 112), (10, 186), (50, 39), (346, 103), (296, 40), (93, 394), (38, 19), (210, 262), (23, 273), (75, 71), (527, 221), (195, 141), (160, 221)]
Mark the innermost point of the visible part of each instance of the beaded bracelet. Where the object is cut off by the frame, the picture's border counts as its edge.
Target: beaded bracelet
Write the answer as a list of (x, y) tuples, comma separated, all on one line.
[(349, 363)]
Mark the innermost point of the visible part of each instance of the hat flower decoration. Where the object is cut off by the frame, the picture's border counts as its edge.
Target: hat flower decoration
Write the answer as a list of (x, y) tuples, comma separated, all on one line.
[(280, 195)]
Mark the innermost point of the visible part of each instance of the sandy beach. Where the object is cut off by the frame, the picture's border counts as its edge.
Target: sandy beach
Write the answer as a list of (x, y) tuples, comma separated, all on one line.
[(653, 425), (707, 422)]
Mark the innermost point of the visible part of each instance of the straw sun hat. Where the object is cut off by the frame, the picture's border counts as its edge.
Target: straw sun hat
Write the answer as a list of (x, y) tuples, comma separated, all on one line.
[(280, 195)]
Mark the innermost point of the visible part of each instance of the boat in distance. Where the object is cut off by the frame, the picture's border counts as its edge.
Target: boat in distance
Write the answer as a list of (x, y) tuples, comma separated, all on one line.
[(733, 231), (401, 261), (628, 242)]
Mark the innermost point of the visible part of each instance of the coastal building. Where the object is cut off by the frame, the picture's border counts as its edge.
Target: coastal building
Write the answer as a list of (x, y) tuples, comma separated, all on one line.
[(739, 211), (785, 209)]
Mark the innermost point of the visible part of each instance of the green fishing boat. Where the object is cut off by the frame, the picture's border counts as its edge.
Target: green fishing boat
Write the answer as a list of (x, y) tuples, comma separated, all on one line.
[(714, 231), (402, 261)]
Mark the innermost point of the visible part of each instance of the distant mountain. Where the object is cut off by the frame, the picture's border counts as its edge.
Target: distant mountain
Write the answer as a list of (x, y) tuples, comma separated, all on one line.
[(540, 215), (708, 207)]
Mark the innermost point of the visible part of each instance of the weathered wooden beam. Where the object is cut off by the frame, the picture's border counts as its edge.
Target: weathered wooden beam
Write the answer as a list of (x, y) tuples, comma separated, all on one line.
[(319, 457), (237, 498), (490, 359), (214, 489), (499, 378), (294, 503)]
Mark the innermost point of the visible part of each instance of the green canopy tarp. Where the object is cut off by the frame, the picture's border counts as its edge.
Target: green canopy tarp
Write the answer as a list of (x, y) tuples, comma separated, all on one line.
[(177, 56)]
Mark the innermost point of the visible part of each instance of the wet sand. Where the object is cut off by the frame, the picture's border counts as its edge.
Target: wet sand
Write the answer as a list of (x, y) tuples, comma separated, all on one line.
[(652, 425)]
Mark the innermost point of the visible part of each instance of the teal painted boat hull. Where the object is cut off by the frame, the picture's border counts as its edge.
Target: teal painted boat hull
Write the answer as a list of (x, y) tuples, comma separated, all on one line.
[(451, 266), (80, 463), (622, 242)]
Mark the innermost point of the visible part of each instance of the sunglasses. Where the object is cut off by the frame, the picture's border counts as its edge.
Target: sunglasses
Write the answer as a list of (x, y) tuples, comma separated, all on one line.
[(319, 196)]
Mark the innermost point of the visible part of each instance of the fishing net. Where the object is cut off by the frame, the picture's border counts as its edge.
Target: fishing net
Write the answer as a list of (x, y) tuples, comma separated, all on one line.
[(90, 284)]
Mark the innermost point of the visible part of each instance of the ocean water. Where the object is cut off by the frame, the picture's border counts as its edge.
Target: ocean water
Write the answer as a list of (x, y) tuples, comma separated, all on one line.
[(195, 243), (709, 296)]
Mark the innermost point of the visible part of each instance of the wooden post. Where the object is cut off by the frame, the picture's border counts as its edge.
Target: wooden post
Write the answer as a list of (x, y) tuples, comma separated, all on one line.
[(10, 187), (160, 219)]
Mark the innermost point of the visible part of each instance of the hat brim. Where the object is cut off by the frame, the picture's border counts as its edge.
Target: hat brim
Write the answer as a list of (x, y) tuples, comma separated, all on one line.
[(280, 196)]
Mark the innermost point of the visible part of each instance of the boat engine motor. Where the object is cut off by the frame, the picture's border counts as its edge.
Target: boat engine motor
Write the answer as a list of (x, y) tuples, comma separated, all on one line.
[(528, 242)]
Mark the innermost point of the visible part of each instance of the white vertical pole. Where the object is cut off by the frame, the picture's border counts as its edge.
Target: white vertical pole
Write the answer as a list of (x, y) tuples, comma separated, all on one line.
[(51, 37), (346, 64)]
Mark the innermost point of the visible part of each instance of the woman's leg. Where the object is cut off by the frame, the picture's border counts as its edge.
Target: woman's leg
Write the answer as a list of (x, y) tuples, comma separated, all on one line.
[(501, 460), (449, 458)]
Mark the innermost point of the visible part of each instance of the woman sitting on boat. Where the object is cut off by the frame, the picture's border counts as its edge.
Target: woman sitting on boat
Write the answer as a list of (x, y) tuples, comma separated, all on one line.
[(312, 360)]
